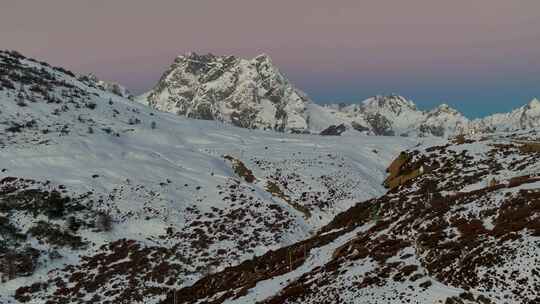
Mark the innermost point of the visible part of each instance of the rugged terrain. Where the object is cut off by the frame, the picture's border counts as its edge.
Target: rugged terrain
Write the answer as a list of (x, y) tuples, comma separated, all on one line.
[(106, 200), (255, 94), (462, 225), (247, 93)]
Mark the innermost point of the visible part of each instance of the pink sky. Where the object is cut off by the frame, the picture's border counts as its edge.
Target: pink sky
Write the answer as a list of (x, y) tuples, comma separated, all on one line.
[(430, 51)]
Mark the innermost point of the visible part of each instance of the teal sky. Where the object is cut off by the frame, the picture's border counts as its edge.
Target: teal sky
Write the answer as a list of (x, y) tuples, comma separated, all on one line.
[(479, 56)]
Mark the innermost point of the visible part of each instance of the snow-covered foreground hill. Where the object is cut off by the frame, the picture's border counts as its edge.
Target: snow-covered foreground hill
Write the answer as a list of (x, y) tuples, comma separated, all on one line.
[(104, 200), (461, 225)]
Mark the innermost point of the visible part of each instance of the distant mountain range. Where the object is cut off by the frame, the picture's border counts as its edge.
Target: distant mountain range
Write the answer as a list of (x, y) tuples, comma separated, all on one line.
[(255, 94)]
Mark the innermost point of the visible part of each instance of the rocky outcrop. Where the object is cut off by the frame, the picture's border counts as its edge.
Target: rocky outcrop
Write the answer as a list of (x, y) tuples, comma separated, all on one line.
[(334, 130), (18, 263), (401, 170), (530, 147), (380, 124)]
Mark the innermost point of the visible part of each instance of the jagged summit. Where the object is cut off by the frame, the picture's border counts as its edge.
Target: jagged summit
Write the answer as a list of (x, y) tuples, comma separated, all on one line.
[(397, 115), (534, 104), (250, 93), (527, 116), (394, 102), (444, 108)]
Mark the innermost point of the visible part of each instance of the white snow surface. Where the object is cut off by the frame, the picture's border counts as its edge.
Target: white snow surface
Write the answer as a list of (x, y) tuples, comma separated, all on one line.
[(151, 167)]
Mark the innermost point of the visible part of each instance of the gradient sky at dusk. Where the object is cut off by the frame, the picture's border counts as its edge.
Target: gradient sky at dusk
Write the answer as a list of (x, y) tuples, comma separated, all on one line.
[(480, 56)]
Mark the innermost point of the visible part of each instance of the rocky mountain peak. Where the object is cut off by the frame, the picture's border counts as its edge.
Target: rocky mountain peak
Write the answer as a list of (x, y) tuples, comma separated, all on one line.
[(253, 93), (534, 104), (263, 58), (444, 109), (249, 93), (394, 103)]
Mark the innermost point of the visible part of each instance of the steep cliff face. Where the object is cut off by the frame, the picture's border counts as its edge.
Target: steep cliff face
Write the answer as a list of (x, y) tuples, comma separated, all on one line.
[(247, 93)]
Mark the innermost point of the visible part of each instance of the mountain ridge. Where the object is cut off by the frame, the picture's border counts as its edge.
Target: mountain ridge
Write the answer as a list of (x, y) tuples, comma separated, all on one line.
[(106, 200), (245, 98)]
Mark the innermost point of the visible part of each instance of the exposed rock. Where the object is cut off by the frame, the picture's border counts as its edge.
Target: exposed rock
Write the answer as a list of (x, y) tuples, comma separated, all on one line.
[(247, 93), (18, 263), (334, 130), (380, 124)]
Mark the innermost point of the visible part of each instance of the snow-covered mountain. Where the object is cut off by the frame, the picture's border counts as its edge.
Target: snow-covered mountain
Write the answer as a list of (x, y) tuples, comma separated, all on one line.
[(254, 94), (105, 200), (443, 121), (527, 116), (396, 115), (247, 93)]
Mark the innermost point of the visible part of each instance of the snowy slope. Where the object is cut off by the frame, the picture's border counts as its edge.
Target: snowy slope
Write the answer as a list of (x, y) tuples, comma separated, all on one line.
[(111, 87), (185, 197), (466, 230)]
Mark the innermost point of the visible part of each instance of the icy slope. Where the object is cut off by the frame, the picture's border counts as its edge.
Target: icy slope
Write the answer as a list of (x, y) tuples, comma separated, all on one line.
[(183, 198)]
